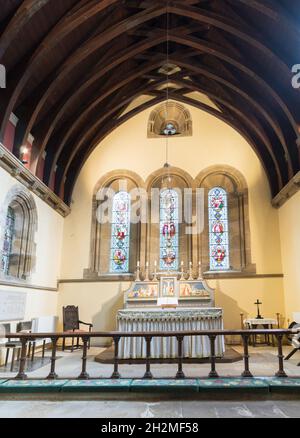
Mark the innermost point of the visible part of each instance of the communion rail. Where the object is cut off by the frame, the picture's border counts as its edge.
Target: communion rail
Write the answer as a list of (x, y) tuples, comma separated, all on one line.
[(25, 338)]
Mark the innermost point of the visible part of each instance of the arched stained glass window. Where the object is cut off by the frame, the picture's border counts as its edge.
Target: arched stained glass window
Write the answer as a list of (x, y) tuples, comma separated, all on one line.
[(218, 229), (8, 239), (169, 230), (120, 233)]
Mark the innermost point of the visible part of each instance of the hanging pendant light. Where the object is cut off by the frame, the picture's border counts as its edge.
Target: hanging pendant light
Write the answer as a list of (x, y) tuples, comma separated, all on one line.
[(169, 130)]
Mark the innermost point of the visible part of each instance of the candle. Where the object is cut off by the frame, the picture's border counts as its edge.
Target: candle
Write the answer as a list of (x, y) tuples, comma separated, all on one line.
[(138, 264), (155, 263), (182, 263), (191, 264), (147, 264)]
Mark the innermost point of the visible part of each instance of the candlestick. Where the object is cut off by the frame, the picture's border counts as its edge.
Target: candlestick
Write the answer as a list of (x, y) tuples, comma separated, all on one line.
[(191, 278), (182, 278), (155, 271), (138, 272), (200, 276), (147, 272)]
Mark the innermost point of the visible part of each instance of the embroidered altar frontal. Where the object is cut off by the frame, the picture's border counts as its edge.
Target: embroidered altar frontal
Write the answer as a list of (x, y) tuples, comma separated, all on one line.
[(158, 320)]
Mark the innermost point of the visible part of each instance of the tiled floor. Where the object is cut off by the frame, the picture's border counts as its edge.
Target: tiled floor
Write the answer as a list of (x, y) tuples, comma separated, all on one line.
[(263, 362)]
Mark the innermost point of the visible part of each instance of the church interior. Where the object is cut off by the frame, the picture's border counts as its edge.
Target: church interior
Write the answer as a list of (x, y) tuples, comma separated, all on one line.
[(149, 183)]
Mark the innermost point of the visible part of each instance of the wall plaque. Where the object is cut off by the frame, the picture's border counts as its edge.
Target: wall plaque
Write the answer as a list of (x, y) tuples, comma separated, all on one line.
[(12, 306)]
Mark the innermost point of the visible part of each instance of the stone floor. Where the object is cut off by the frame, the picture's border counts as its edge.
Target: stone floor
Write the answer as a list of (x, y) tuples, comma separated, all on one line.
[(263, 362), (139, 409)]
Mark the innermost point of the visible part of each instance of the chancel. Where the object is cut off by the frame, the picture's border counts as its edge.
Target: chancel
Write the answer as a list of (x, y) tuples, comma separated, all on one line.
[(149, 203), (171, 303)]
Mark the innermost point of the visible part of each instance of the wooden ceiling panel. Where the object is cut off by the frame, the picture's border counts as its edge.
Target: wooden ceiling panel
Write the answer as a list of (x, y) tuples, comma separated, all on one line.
[(76, 65)]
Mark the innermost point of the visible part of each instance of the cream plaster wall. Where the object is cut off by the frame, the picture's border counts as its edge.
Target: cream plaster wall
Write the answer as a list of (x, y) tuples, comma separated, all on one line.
[(48, 239), (99, 302), (289, 217), (212, 143), (129, 148)]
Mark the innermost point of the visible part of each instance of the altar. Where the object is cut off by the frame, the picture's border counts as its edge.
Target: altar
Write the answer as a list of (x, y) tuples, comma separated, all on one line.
[(169, 304), (168, 320)]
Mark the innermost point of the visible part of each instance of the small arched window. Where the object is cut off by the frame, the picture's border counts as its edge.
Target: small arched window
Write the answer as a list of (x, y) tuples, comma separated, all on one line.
[(218, 229), (8, 239), (169, 230), (120, 233), (18, 246)]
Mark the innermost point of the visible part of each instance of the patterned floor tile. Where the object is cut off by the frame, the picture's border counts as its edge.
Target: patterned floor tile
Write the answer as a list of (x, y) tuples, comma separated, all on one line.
[(229, 384), (164, 385), (99, 385), (21, 386), (284, 384)]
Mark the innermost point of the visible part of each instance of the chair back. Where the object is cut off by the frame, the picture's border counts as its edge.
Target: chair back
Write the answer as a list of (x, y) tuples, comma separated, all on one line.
[(70, 318), (24, 326), (4, 328)]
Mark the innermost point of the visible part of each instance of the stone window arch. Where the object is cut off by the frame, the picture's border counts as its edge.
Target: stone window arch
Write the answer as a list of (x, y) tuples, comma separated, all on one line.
[(19, 225), (176, 179), (233, 183), (170, 118), (102, 233)]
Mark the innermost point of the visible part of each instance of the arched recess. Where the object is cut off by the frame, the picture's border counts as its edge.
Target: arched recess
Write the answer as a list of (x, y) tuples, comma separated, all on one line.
[(170, 112), (101, 230), (22, 249), (235, 185), (180, 181)]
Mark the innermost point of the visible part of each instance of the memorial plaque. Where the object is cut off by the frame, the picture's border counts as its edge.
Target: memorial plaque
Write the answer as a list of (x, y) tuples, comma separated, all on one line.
[(12, 306)]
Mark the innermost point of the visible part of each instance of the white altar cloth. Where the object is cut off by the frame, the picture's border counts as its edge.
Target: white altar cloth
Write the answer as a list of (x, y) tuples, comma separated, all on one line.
[(168, 320)]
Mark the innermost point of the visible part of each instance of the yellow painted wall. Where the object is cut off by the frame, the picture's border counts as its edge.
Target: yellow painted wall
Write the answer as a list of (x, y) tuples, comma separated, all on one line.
[(212, 143), (99, 302), (289, 216), (48, 239)]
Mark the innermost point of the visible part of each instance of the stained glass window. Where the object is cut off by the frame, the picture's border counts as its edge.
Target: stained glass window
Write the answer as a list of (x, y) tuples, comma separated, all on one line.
[(8, 239), (120, 233), (218, 229), (169, 230), (170, 129)]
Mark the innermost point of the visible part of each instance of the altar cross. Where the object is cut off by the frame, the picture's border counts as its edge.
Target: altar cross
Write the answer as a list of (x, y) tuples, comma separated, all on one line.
[(258, 303)]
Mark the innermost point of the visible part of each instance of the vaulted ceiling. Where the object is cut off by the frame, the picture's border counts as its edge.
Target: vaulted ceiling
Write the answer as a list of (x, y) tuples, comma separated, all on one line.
[(75, 66)]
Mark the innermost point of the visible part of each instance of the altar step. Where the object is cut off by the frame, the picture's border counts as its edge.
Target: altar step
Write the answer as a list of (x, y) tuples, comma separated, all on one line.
[(107, 357), (230, 386)]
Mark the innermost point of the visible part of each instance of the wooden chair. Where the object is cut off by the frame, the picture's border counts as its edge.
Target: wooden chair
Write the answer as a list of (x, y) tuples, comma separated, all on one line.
[(12, 344), (26, 327), (71, 324), (294, 341)]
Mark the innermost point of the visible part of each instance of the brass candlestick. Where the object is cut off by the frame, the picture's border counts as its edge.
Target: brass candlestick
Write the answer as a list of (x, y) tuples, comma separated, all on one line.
[(138, 272), (200, 276), (155, 272), (147, 272), (191, 278), (182, 277)]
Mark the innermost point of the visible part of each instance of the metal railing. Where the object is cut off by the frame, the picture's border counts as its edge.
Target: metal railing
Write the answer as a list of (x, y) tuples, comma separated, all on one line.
[(25, 338)]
